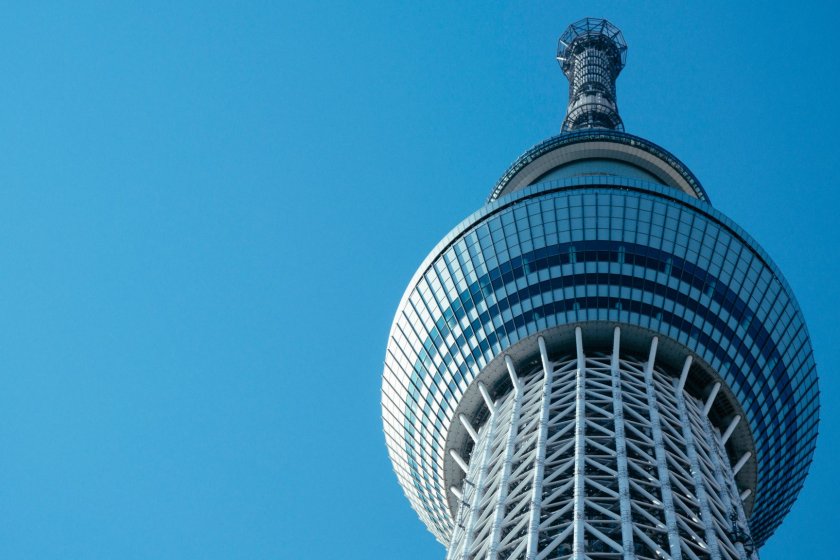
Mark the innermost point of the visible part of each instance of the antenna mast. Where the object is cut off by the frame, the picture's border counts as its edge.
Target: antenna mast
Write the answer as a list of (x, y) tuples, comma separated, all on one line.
[(591, 53)]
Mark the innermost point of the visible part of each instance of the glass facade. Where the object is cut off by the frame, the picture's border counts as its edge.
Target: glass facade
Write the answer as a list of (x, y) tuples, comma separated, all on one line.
[(605, 248)]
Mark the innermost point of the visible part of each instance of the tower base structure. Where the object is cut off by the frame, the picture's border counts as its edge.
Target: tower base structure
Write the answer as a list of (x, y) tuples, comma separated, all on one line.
[(598, 455)]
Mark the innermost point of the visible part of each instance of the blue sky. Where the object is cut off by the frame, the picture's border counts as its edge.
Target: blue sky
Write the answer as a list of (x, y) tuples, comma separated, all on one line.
[(209, 212)]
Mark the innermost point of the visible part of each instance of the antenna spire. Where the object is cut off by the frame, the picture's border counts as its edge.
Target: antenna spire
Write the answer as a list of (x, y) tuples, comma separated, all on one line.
[(591, 53)]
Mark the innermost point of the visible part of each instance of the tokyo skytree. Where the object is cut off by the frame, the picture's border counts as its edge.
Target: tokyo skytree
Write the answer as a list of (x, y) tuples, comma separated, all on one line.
[(597, 363)]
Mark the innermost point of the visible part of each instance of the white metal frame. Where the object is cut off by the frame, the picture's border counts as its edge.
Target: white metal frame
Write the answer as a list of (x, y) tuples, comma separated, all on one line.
[(598, 457)]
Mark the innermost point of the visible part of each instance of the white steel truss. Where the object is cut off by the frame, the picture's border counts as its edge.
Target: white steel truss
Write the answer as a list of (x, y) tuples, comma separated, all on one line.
[(599, 457)]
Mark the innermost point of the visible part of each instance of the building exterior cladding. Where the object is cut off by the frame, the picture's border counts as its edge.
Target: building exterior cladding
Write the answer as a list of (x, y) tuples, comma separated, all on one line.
[(597, 363)]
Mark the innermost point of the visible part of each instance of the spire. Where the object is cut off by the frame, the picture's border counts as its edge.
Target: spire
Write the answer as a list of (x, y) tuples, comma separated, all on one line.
[(592, 52)]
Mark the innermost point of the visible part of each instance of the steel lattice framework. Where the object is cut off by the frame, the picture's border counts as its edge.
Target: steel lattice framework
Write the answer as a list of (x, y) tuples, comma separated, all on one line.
[(597, 363), (598, 456), (592, 52)]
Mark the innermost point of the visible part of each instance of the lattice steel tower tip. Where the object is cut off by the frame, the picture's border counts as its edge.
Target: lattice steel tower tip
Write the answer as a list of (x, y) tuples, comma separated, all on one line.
[(592, 52)]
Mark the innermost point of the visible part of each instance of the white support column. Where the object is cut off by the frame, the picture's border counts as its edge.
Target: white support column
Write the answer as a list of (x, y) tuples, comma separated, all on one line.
[(696, 473), (746, 494), (731, 428), (486, 396), (478, 493), (718, 461), (501, 499), (457, 492), (741, 462), (467, 426), (458, 459), (684, 375), (661, 458), (742, 522), (514, 377), (539, 463), (579, 514), (742, 518), (711, 400), (621, 452)]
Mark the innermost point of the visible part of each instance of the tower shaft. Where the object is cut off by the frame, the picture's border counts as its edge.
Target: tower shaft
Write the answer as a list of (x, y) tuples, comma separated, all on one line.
[(598, 455)]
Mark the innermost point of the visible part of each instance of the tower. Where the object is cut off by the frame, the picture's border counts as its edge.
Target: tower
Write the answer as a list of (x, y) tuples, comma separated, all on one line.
[(597, 363)]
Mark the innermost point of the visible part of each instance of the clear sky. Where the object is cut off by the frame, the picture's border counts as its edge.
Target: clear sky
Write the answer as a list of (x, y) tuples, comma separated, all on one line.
[(209, 212)]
